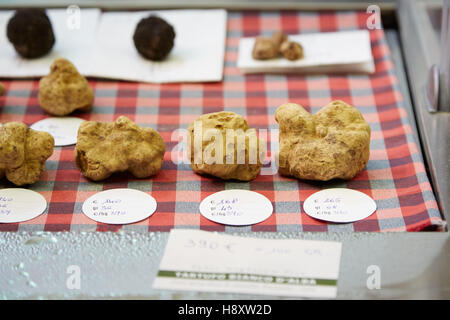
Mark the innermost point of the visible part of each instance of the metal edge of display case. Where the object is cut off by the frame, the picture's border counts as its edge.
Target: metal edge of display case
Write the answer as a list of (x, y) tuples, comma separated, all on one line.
[(412, 265), (228, 4), (421, 50)]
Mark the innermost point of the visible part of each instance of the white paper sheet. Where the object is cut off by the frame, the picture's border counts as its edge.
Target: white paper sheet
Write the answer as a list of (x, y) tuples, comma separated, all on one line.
[(330, 52), (197, 55), (197, 260), (103, 47), (70, 43)]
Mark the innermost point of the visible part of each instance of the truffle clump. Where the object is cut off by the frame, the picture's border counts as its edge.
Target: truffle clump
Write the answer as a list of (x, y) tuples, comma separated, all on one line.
[(154, 38), (333, 143), (30, 31), (291, 50), (266, 48), (23, 153), (64, 90), (104, 148), (223, 145)]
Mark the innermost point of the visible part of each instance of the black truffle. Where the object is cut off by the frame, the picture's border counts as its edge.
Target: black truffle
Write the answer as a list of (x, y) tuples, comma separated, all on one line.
[(31, 33), (154, 38)]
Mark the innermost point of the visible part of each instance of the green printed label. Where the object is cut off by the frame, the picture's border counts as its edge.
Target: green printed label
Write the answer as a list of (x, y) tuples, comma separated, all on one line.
[(246, 277)]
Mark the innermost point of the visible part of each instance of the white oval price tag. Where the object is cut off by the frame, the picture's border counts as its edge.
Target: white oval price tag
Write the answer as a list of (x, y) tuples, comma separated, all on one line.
[(64, 130), (18, 205), (236, 207), (119, 206), (339, 205)]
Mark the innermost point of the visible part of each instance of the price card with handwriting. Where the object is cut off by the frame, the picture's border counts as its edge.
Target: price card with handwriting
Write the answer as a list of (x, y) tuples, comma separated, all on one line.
[(64, 130), (119, 206), (339, 205), (236, 207), (197, 260), (18, 205)]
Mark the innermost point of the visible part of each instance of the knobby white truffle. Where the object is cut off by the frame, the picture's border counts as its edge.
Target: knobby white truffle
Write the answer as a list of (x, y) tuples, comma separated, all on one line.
[(64, 90), (105, 148), (333, 143), (223, 145), (23, 153)]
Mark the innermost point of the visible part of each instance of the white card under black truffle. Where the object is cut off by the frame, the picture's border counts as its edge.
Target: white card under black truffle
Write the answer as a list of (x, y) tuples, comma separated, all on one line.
[(74, 40), (197, 54)]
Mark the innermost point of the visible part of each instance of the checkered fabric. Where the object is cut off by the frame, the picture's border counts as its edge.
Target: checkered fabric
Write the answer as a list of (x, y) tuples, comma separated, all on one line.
[(395, 176)]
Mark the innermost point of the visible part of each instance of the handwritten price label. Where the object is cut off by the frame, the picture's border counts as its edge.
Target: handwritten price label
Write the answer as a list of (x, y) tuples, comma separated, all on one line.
[(339, 205), (18, 205), (236, 207), (119, 206), (64, 130)]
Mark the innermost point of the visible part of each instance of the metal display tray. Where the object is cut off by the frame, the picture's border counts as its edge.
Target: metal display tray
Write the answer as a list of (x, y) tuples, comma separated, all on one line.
[(123, 265)]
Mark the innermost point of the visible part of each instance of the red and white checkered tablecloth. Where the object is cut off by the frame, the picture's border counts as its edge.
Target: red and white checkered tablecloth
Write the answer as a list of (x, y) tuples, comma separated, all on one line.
[(395, 176)]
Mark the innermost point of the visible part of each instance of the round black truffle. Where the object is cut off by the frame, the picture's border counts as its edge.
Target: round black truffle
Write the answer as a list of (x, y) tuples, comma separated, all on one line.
[(154, 38), (31, 33)]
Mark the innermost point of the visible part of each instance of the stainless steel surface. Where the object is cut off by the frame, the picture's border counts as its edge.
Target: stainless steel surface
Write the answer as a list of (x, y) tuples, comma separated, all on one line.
[(421, 50), (123, 265), (432, 89), (393, 41), (444, 63)]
